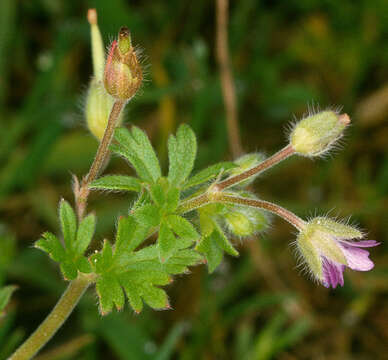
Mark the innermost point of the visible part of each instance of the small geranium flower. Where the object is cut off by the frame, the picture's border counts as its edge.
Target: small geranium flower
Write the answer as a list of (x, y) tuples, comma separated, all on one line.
[(328, 247)]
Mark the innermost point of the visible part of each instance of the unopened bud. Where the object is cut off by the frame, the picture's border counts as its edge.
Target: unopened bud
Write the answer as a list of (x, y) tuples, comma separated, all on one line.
[(315, 134), (123, 75), (239, 224), (245, 163), (98, 102)]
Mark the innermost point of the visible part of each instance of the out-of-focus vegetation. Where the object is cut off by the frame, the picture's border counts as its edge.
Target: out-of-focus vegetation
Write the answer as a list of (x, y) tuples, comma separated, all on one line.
[(285, 55)]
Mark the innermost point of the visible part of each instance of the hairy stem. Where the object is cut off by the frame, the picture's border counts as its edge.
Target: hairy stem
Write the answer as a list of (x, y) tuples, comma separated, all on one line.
[(266, 164), (287, 215), (77, 287), (54, 320), (227, 84), (204, 198), (101, 155)]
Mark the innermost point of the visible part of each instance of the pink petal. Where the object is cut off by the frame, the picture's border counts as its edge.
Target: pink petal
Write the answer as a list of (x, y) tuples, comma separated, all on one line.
[(363, 243), (357, 259), (332, 273)]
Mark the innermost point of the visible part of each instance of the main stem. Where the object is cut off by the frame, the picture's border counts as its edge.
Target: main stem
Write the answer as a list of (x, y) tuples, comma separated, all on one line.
[(77, 287), (99, 160), (54, 320)]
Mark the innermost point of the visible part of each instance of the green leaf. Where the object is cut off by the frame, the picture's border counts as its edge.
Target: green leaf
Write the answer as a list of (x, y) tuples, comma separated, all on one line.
[(212, 251), (117, 183), (124, 236), (182, 227), (70, 255), (110, 293), (103, 261), (85, 234), (68, 223), (172, 199), (69, 270), (158, 194), (50, 244), (167, 242), (182, 151), (213, 246), (147, 215), (209, 173), (140, 272), (83, 265), (137, 149), (5, 295)]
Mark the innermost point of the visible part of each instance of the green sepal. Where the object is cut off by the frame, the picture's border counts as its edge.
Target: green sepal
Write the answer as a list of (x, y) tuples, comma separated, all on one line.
[(117, 183)]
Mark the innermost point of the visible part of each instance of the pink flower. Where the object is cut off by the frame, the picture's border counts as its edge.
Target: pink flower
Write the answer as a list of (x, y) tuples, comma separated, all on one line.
[(356, 259), (327, 247)]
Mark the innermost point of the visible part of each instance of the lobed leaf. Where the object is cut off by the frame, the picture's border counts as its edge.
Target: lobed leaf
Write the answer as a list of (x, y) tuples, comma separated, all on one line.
[(183, 228), (137, 149)]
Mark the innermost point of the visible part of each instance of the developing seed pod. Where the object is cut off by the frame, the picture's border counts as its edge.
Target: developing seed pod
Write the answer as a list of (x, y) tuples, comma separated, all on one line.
[(98, 102), (123, 75), (315, 134)]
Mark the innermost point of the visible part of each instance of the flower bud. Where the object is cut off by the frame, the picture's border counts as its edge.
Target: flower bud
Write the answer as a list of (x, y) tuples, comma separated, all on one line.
[(98, 102), (327, 246), (244, 221), (245, 163), (123, 75), (315, 134), (239, 224)]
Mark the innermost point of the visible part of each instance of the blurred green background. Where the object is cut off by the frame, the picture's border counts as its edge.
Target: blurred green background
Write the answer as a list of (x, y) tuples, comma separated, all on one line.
[(285, 55)]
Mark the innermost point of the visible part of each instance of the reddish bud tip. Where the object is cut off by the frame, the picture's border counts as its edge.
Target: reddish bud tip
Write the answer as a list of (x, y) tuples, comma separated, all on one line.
[(92, 16), (123, 74), (344, 119)]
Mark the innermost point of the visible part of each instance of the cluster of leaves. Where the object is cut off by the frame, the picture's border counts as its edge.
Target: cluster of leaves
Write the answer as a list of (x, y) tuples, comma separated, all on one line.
[(130, 268)]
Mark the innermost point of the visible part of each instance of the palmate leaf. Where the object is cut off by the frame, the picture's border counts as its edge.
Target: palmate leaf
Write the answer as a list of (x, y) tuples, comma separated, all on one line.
[(137, 149), (70, 253), (137, 274)]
